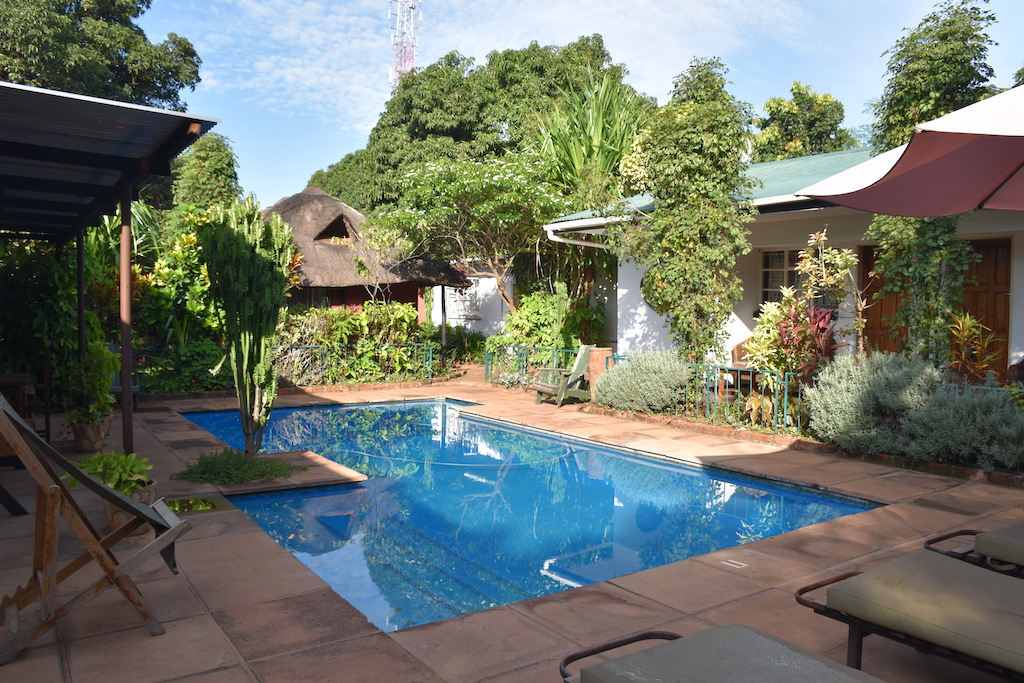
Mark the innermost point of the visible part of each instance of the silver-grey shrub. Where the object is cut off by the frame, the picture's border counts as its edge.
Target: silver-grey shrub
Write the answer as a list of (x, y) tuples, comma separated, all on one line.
[(888, 403), (860, 404), (984, 428), (651, 382)]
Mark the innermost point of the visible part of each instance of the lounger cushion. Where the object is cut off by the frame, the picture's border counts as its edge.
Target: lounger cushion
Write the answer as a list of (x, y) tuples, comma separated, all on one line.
[(729, 654), (943, 601), (1005, 545)]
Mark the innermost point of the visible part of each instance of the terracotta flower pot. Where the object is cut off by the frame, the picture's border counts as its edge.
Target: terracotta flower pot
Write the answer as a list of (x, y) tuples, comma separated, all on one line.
[(118, 517), (88, 437)]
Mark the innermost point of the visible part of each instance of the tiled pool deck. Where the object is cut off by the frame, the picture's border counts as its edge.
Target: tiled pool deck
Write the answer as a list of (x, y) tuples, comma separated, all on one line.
[(242, 609)]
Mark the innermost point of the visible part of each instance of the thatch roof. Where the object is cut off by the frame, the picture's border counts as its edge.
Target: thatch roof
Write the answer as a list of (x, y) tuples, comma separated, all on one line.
[(326, 231)]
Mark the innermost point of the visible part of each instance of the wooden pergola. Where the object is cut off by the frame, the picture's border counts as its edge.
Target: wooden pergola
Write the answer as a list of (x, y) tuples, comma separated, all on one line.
[(66, 160)]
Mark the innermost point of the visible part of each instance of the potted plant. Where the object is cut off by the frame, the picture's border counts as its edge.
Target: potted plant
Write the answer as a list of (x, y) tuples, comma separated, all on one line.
[(87, 395), (126, 473)]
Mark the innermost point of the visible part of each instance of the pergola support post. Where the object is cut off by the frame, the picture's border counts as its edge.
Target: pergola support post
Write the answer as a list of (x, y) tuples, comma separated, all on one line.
[(125, 289)]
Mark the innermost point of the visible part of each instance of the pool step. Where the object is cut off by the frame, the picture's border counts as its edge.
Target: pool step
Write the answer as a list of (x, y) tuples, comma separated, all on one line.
[(467, 586)]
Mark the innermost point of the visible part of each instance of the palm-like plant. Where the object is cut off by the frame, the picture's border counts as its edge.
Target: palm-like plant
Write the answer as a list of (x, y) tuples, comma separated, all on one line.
[(586, 137)]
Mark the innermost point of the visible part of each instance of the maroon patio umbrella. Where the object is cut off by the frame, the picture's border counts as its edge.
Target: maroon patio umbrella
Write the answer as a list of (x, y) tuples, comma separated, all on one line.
[(969, 159)]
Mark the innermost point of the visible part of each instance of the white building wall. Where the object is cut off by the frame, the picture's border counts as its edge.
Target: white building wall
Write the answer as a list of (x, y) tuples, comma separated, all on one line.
[(478, 307), (640, 328)]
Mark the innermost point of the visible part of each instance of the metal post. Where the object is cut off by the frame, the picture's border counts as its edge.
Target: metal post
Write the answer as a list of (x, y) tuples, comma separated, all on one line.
[(125, 289)]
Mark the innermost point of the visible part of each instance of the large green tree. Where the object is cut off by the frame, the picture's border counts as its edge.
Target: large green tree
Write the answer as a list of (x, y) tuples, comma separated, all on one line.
[(94, 47), (690, 157), (935, 68), (807, 123), (206, 173), (349, 180), (455, 109), (484, 213)]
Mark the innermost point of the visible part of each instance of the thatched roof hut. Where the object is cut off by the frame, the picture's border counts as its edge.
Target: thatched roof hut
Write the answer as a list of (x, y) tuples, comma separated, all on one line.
[(326, 231)]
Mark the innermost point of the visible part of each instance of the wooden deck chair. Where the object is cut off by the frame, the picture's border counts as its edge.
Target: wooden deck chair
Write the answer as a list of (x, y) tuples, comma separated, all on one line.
[(53, 502), (563, 384)]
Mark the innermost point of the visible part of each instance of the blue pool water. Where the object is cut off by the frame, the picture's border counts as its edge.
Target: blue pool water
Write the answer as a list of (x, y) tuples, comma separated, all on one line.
[(462, 513)]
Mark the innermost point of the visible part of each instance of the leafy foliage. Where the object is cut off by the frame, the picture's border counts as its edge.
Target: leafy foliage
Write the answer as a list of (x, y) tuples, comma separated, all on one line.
[(973, 359), (123, 472), (586, 136), (861, 403), (548, 320), (455, 110), (653, 382), (94, 48), (921, 262), (349, 180), (690, 157), (40, 278), (206, 173), (248, 261), (85, 392), (229, 467), (483, 212), (934, 69), (809, 123)]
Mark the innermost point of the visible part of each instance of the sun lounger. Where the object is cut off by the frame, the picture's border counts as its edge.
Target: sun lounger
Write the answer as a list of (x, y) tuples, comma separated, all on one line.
[(725, 654), (1001, 550), (38, 605), (935, 604)]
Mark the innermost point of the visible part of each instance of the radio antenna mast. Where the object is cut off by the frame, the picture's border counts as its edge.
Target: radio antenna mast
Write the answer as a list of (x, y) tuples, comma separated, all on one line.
[(403, 18)]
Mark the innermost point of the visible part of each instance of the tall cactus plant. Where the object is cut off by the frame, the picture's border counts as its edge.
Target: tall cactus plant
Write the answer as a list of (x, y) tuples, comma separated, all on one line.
[(248, 261)]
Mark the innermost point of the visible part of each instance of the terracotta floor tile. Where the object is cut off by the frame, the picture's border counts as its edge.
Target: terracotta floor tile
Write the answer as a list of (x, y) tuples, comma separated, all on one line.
[(689, 586), (169, 599), (189, 646), (777, 612), (596, 613), (223, 586), (293, 623), (486, 644), (374, 658)]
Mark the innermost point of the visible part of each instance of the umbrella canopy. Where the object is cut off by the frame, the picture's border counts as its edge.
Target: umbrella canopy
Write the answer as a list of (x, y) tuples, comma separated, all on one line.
[(969, 159)]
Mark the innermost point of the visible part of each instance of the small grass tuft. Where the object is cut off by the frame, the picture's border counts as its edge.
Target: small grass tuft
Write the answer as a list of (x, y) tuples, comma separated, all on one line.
[(229, 466)]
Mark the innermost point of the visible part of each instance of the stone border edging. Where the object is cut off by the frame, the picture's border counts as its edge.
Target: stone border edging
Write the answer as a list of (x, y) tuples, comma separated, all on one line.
[(801, 444)]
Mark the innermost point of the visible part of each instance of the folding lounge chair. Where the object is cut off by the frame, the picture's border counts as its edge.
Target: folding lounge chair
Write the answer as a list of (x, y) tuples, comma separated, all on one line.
[(725, 654), (1001, 550), (32, 609), (563, 384), (936, 604)]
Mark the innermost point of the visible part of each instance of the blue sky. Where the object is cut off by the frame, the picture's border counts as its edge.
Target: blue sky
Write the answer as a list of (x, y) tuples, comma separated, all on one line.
[(298, 84)]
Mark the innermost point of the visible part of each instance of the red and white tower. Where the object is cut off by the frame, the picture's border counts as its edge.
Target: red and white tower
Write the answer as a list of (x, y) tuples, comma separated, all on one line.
[(403, 17)]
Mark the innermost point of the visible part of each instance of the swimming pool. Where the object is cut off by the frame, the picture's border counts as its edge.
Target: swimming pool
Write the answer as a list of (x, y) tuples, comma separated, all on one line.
[(461, 513)]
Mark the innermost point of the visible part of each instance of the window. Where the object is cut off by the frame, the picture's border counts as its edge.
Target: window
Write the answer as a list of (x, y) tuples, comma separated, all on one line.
[(778, 269)]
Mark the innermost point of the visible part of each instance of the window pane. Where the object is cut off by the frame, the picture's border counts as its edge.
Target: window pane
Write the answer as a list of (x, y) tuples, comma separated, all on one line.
[(774, 259)]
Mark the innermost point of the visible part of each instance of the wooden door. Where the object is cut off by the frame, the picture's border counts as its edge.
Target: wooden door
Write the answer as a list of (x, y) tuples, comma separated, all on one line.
[(987, 299)]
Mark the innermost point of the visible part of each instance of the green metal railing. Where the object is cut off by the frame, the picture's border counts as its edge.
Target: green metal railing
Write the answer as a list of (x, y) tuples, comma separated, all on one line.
[(511, 365)]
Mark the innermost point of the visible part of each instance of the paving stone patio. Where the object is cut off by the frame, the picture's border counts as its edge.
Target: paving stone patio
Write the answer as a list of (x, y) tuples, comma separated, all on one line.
[(242, 609)]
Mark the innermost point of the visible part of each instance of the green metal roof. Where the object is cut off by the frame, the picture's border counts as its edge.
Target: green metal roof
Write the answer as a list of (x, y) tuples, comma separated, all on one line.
[(778, 178), (789, 175)]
